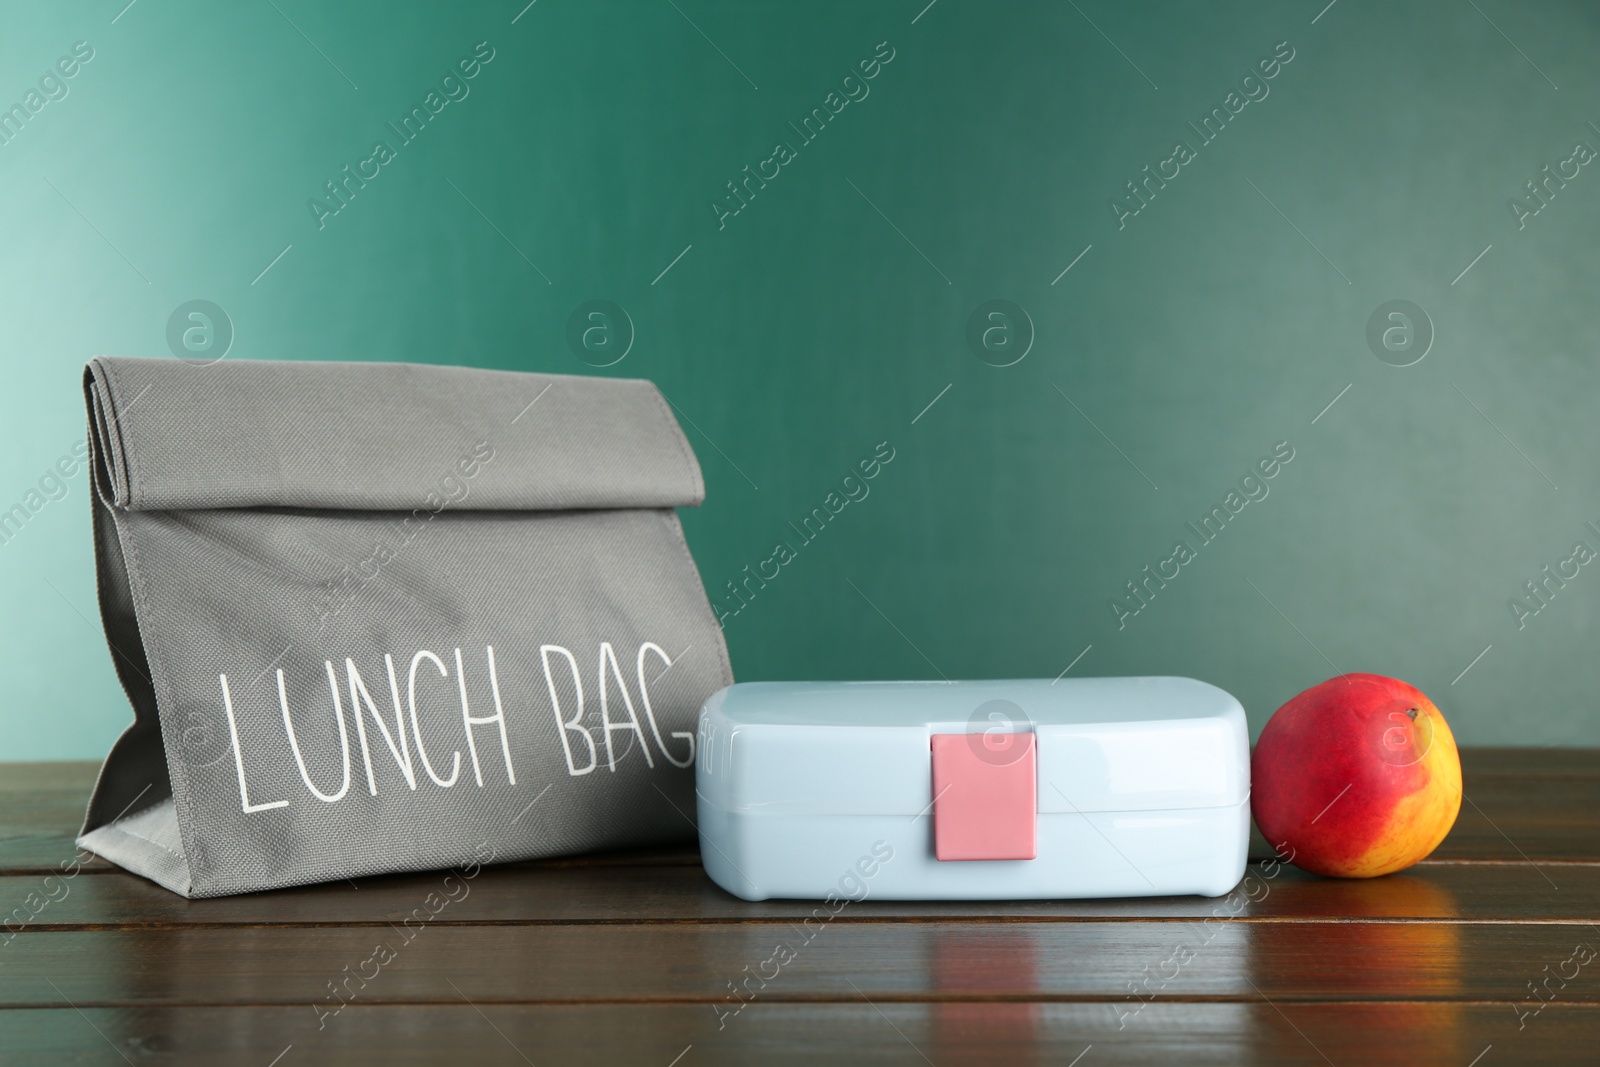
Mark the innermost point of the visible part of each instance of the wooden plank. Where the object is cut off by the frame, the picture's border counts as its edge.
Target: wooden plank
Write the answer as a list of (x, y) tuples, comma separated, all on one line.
[(1514, 818), (1511, 818), (30, 778), (41, 810), (1531, 762), (43, 853), (620, 894), (682, 962), (776, 1035), (631, 956), (1515, 811)]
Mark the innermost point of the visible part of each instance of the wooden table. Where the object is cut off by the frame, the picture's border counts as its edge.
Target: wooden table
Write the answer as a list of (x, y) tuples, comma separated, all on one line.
[(634, 958)]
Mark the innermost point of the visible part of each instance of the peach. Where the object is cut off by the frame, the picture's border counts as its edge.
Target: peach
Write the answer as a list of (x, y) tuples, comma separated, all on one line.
[(1356, 777)]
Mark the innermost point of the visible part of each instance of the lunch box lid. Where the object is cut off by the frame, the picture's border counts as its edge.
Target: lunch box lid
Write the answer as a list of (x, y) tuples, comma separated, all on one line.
[(864, 748)]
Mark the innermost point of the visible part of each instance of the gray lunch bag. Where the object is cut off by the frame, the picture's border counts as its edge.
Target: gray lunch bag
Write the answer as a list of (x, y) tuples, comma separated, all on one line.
[(379, 617)]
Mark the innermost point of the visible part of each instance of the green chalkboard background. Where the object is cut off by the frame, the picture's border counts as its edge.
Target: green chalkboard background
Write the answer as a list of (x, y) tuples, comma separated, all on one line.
[(1185, 342)]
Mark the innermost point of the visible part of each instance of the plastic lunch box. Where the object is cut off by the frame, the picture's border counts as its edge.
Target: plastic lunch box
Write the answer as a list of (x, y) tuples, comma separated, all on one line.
[(1088, 787)]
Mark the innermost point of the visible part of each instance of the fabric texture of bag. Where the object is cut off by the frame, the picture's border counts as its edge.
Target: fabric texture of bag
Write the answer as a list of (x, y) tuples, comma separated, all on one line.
[(378, 617)]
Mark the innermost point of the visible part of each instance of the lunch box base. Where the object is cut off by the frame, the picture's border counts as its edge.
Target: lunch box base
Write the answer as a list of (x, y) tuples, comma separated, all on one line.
[(1170, 852)]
